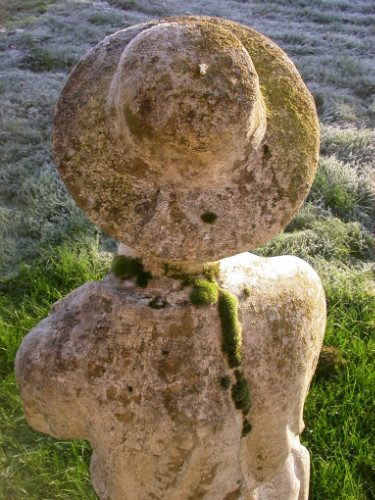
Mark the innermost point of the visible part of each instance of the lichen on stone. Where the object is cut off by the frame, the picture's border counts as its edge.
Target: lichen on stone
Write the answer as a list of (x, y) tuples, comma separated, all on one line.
[(206, 292), (266, 152)]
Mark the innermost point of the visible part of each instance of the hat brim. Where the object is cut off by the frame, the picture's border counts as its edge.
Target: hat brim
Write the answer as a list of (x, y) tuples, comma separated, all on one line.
[(166, 222)]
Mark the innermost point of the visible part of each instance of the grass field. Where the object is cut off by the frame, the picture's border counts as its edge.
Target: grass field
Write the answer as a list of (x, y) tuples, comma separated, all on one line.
[(48, 246)]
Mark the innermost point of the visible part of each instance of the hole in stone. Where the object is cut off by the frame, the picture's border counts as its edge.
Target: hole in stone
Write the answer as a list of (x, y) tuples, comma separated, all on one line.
[(130, 388)]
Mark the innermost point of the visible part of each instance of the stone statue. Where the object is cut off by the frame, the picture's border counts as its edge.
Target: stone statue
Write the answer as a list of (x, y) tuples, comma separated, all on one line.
[(190, 140)]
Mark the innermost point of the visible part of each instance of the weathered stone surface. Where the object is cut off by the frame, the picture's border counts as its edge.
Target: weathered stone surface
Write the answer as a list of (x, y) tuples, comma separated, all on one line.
[(164, 122), (143, 385), (189, 139), (292, 480)]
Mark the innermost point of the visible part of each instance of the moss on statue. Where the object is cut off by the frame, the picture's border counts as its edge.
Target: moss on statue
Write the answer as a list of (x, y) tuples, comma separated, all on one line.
[(246, 427), (207, 292), (176, 272), (126, 268), (204, 293), (241, 393), (231, 328), (209, 217), (158, 303), (211, 271), (225, 382)]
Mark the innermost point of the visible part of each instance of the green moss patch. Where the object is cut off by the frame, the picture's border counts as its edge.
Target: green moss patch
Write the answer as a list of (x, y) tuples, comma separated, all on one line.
[(231, 328), (158, 303), (246, 427), (225, 382), (126, 268), (209, 217), (204, 293), (266, 152), (241, 393)]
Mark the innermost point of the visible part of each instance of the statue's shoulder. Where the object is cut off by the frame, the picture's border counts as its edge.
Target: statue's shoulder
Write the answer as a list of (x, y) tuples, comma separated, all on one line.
[(274, 274)]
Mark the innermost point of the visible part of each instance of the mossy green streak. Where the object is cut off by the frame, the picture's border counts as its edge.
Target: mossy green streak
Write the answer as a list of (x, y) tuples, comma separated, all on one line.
[(246, 427), (241, 393), (207, 293), (231, 328)]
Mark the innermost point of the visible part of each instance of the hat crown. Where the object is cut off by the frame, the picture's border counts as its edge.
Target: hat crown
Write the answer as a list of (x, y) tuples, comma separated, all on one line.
[(185, 101)]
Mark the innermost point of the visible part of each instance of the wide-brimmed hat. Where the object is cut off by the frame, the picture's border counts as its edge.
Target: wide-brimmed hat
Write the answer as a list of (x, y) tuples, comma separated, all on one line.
[(187, 138)]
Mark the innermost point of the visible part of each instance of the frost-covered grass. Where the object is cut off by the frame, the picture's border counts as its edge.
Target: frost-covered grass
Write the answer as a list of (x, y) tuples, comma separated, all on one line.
[(48, 246)]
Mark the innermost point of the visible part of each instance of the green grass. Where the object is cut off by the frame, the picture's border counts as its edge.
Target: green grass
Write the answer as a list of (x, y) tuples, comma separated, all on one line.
[(339, 413), (347, 191), (34, 465), (45, 59), (27, 295), (48, 247)]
